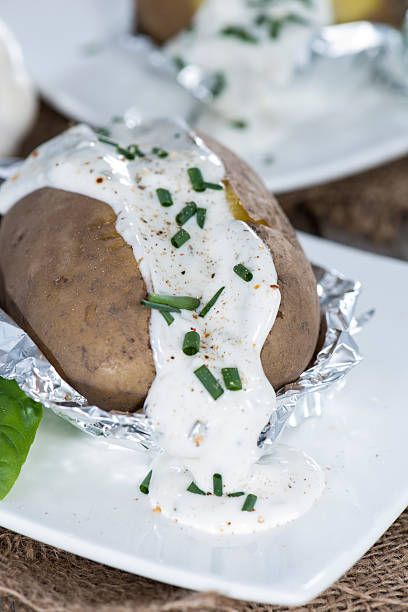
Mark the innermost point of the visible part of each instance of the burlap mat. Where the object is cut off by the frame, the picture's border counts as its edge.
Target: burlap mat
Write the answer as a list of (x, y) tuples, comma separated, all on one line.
[(34, 576)]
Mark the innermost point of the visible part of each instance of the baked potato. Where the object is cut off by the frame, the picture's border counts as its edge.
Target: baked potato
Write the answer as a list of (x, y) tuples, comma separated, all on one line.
[(73, 283), (162, 19)]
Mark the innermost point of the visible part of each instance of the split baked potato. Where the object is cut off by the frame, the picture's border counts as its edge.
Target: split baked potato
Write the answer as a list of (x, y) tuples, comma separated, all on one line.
[(69, 279)]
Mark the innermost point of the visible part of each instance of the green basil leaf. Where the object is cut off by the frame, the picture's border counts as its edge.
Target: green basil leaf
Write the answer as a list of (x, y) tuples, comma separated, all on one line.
[(19, 420)]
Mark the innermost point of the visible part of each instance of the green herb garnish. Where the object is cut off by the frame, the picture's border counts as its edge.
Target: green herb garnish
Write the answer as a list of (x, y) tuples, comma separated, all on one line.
[(232, 379), (180, 238), (185, 302), (201, 214), (217, 485), (239, 124), (179, 62), (212, 186), (275, 26), (192, 488), (144, 486), (186, 213), (219, 84), (198, 182), (164, 196), (243, 272), (103, 131), (191, 343), (249, 503), (162, 153), (162, 307), (236, 494), (20, 417), (211, 303), (134, 150), (108, 141), (167, 316), (196, 179), (125, 152), (239, 32), (209, 382)]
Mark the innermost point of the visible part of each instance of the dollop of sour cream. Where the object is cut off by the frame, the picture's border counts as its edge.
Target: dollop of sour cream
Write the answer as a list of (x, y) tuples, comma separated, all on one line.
[(18, 101), (199, 436), (253, 46)]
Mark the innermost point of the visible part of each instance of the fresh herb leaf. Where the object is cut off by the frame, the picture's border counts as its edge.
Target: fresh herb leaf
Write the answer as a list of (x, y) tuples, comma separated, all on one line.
[(179, 62), (249, 503), (19, 420), (193, 488), (240, 33), (239, 124), (211, 303), (219, 84), (145, 484), (209, 381)]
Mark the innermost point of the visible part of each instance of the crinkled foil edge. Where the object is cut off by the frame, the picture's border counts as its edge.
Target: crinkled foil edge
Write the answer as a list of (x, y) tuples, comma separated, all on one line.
[(21, 360)]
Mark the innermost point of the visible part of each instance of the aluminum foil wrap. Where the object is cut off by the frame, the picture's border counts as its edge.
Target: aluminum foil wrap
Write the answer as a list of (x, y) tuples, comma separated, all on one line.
[(20, 359)]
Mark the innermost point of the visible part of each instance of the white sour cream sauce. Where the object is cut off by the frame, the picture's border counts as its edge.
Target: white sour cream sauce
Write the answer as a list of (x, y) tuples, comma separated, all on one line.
[(18, 101), (199, 436), (259, 75)]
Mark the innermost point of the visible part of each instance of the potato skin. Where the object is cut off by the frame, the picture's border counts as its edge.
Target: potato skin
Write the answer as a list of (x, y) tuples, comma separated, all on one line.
[(162, 19), (73, 284), (69, 279)]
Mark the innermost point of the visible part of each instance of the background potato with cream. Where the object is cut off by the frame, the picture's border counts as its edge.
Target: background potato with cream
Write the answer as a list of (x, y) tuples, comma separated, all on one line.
[(73, 283)]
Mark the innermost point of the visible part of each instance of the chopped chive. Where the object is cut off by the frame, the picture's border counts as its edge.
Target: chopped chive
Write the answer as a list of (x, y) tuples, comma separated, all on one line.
[(194, 489), (186, 213), (103, 131), (125, 152), (212, 186), (167, 316), (196, 179), (243, 272), (232, 379), (236, 494), (198, 182), (201, 213), (239, 124), (144, 486), (163, 307), (249, 503), (134, 150), (162, 153), (179, 62), (218, 85), (185, 302), (217, 484), (211, 303), (164, 196), (107, 141), (180, 238), (191, 343), (239, 32), (209, 381)]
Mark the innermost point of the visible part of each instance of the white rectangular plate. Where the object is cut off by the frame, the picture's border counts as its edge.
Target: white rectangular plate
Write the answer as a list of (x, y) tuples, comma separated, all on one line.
[(78, 493)]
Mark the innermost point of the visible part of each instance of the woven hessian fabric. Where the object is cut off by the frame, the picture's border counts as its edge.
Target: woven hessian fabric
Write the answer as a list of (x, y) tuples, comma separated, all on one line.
[(37, 577)]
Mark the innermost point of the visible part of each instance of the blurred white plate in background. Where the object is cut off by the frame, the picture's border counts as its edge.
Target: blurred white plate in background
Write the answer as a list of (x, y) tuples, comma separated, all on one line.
[(65, 45)]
